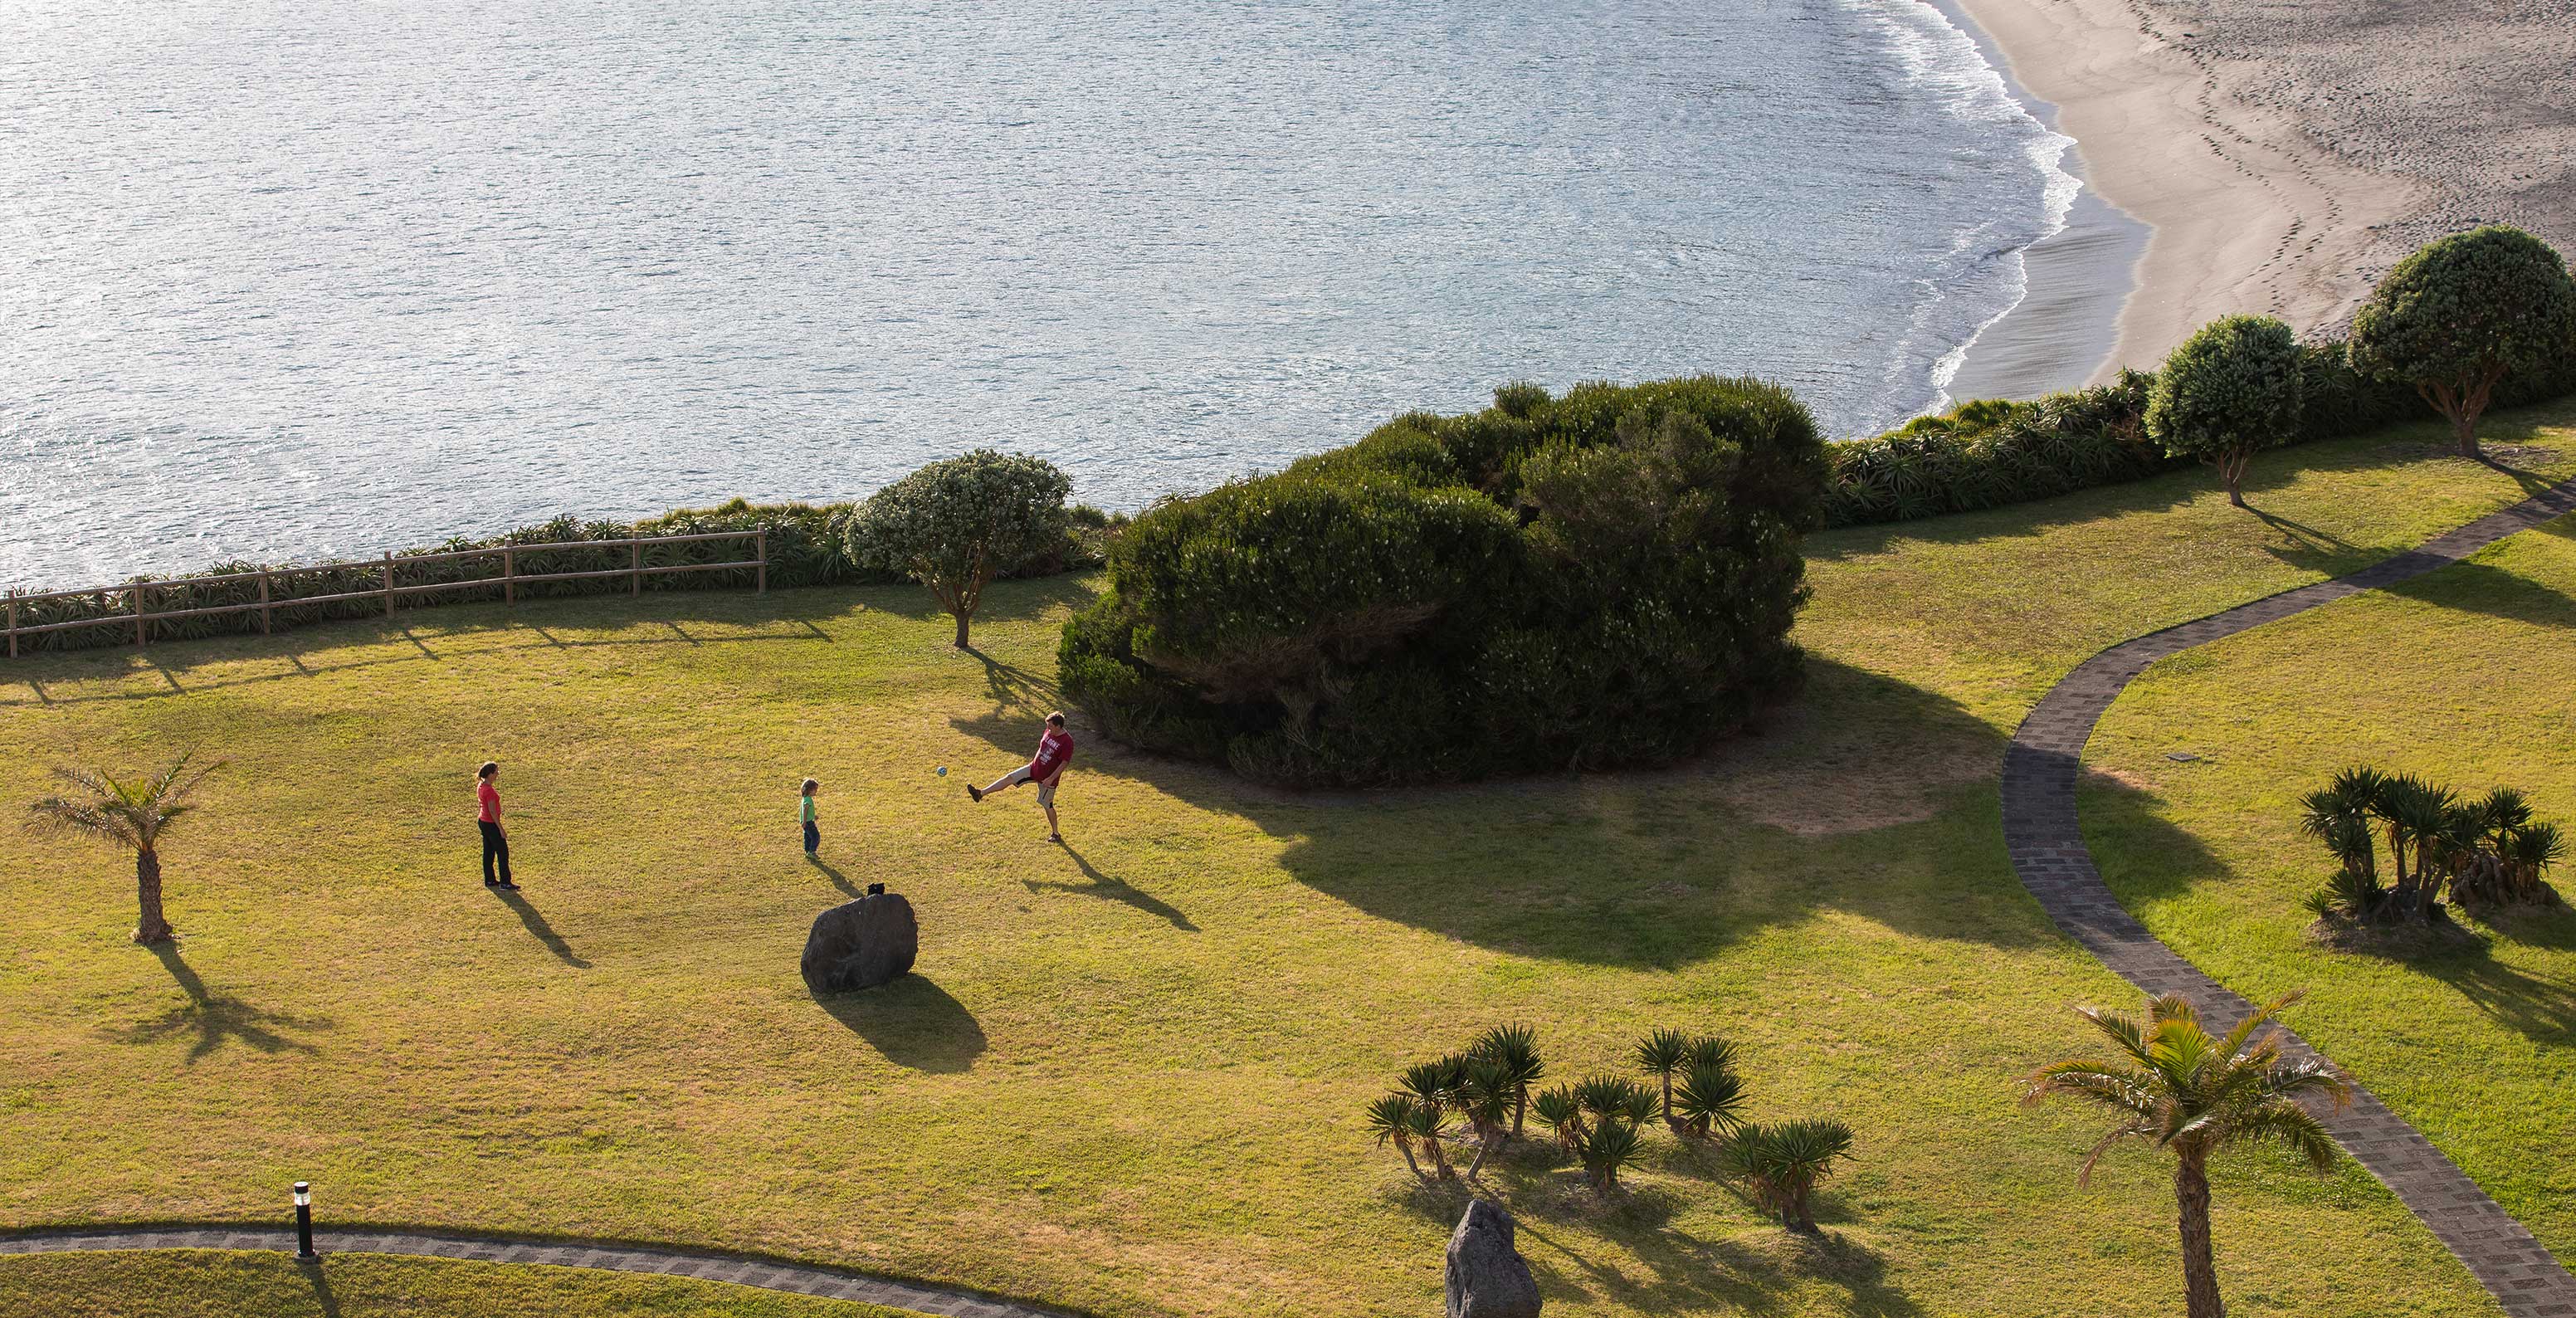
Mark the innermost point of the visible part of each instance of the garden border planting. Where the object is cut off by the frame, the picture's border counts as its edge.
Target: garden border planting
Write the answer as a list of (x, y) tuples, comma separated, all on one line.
[(2041, 769)]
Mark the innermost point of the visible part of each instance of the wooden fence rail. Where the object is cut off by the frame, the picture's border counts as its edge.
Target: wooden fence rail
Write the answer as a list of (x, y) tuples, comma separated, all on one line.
[(139, 594)]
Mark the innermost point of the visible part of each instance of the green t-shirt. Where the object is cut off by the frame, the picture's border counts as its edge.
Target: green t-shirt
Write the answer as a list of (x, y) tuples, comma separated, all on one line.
[(807, 814)]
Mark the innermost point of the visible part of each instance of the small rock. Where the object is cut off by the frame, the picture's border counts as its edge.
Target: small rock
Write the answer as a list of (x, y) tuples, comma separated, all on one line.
[(1487, 1277), (861, 944), (2181, 757)]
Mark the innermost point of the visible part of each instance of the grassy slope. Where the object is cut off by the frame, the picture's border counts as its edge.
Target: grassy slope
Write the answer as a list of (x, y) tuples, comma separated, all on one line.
[(2462, 676), (221, 1284), (1128, 1075)]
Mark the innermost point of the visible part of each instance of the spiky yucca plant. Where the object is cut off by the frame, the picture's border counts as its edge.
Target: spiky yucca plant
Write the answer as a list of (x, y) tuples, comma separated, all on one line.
[(131, 814), (1559, 1111), (1779, 1165), (1608, 1145), (1484, 1097), (2176, 1087), (1710, 1100), (1515, 1048), (1662, 1055)]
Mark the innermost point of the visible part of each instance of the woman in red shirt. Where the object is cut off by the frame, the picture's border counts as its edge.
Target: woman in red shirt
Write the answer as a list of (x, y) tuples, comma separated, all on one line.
[(1055, 751), (487, 815)]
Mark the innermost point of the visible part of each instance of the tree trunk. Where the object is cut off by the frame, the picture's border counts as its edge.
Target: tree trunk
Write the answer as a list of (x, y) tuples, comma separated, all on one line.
[(2199, 1266), (2464, 428), (961, 630), (2231, 469), (1484, 1145), (1405, 1147), (149, 925), (1802, 1209), (1520, 1109)]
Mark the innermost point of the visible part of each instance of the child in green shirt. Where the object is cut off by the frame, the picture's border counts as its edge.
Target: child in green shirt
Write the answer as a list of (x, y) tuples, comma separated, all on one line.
[(805, 810)]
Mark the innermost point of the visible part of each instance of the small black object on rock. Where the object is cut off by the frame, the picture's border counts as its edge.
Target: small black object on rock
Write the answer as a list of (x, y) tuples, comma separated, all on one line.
[(861, 944), (1487, 1278)]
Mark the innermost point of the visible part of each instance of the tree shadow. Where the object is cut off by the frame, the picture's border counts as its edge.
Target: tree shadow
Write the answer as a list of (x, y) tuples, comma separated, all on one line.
[(1021, 701), (537, 926), (1110, 889), (847, 888), (1867, 795), (2475, 587), (2539, 1007), (215, 1020), (1752, 1271), (911, 1022), (2306, 547)]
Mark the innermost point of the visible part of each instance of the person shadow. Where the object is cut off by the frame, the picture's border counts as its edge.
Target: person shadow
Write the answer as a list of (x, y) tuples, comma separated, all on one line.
[(847, 888), (1115, 890), (536, 924)]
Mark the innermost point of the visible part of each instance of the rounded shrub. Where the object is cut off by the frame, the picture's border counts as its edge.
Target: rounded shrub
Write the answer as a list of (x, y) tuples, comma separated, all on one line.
[(2230, 391), (1603, 578), (2464, 313)]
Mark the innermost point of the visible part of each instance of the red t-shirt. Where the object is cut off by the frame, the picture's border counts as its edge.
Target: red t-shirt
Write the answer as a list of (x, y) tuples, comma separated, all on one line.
[(1055, 750), (487, 801)]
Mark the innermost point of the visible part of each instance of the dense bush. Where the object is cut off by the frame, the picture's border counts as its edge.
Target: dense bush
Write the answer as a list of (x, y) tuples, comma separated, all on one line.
[(2227, 393), (2454, 319), (2478, 850), (1602, 578)]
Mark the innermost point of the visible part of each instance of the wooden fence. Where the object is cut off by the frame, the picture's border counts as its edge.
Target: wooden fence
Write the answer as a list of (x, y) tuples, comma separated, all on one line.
[(139, 614)]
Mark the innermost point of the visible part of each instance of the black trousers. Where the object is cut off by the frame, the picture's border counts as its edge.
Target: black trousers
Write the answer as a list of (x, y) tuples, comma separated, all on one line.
[(496, 847)]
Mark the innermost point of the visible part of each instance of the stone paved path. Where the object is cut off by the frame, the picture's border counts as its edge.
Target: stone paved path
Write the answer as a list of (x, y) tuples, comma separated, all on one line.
[(740, 1269), (2040, 830)]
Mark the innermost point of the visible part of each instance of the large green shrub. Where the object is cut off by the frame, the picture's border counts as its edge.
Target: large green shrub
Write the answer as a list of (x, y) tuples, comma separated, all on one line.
[(2227, 393), (1602, 578), (2459, 316), (955, 525)]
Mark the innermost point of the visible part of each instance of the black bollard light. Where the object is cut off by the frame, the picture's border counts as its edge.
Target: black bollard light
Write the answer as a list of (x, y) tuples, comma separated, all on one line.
[(304, 1223)]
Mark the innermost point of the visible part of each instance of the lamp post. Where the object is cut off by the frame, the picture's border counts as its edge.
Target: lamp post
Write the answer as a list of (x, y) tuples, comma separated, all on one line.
[(304, 1223)]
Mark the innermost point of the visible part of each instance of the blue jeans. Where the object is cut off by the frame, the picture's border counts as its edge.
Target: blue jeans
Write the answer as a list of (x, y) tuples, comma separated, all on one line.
[(813, 837)]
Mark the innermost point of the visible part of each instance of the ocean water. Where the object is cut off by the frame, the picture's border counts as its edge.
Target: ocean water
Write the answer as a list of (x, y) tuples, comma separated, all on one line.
[(292, 281)]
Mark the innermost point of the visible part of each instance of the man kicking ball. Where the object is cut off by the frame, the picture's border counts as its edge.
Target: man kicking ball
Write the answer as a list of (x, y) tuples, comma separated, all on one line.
[(1055, 750)]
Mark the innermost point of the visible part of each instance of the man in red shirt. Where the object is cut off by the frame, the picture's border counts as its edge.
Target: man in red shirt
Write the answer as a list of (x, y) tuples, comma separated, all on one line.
[(487, 816), (1055, 751)]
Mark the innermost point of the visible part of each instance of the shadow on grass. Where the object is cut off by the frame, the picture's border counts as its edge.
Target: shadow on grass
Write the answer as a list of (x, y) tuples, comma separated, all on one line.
[(847, 888), (1021, 701), (912, 1022), (1109, 889), (323, 1299), (2474, 587), (1751, 1272), (536, 925), (215, 1020), (1873, 797)]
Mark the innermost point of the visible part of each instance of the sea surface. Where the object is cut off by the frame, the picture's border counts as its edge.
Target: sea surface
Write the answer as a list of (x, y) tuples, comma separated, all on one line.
[(294, 281)]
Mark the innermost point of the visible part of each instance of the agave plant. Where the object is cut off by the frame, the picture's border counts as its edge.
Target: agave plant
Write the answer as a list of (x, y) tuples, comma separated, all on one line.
[(1779, 1165), (1515, 1048), (1711, 1099), (1608, 1145), (1612, 1097), (1558, 1110), (1391, 1120), (1662, 1055)]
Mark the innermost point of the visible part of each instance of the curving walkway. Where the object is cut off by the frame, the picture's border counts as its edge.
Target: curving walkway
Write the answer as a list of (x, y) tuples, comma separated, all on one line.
[(738, 1269), (2047, 846)]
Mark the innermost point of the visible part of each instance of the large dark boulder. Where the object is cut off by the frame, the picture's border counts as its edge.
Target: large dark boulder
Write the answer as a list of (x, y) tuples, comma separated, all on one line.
[(1487, 1278), (861, 944)]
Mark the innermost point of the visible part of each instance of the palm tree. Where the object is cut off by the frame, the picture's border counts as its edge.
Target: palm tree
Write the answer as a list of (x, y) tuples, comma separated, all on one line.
[(1484, 1098), (1433, 1087), (1711, 1099), (1662, 1054), (1515, 1049), (1562, 1114), (1391, 1119), (131, 815), (2178, 1088), (1780, 1165), (1608, 1145)]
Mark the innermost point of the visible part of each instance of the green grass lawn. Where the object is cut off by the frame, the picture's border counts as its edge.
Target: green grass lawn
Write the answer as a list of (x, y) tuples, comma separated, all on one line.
[(1128, 1074), (2463, 676), (221, 1284)]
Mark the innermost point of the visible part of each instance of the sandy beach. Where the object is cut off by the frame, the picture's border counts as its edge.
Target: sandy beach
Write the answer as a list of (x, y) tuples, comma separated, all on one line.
[(2285, 155)]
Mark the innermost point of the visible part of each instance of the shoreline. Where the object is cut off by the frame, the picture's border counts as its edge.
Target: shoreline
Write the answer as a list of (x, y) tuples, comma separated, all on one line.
[(2064, 333)]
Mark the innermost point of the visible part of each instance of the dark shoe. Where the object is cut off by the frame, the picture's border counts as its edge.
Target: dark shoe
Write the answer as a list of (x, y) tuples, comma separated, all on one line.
[(491, 883), (1055, 837), (505, 883), (975, 792)]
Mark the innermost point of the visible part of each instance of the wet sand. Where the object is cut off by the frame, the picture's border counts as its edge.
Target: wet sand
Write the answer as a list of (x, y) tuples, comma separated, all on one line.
[(2283, 156)]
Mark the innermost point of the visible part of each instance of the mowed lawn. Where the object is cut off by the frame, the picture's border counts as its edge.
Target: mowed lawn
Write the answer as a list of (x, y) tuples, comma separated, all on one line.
[(1128, 1073), (2463, 676)]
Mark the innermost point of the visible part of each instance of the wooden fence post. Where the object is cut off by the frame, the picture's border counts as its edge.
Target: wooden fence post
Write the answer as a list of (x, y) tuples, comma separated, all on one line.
[(760, 541), (140, 626), (265, 627), (389, 584), (635, 568), (13, 622), (509, 578)]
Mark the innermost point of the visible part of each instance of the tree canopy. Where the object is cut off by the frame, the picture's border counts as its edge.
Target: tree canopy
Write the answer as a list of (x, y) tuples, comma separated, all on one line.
[(2463, 313), (955, 525)]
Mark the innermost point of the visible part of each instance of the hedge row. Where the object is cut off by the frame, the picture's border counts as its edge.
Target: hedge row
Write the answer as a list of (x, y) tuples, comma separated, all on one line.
[(1985, 454), (807, 547)]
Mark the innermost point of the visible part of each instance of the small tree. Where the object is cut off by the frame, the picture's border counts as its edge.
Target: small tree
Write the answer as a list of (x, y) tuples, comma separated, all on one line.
[(2177, 1088), (1662, 1055), (1515, 1049), (1779, 1165), (2229, 392), (131, 815), (1391, 1119), (2459, 315), (953, 526)]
